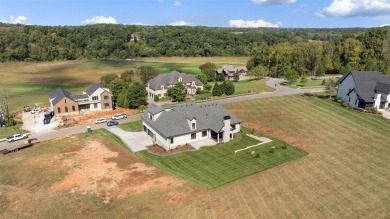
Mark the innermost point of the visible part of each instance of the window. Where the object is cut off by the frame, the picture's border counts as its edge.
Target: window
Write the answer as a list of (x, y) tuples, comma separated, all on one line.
[(151, 116), (95, 98), (66, 109), (349, 99), (95, 105), (180, 79), (65, 100), (233, 126), (355, 101), (193, 136), (106, 105), (73, 108), (193, 125), (106, 97), (59, 110), (204, 133), (162, 87), (171, 140)]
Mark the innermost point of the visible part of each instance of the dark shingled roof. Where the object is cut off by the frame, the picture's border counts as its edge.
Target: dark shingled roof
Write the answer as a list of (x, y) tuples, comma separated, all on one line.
[(366, 82), (382, 87), (93, 88), (172, 78), (58, 94), (173, 122), (78, 97)]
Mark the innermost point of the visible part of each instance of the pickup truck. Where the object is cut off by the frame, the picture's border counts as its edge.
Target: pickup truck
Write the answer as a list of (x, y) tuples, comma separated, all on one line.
[(16, 137)]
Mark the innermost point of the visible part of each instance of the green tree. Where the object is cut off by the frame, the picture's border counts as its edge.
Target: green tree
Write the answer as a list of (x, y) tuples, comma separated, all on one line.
[(116, 86), (207, 87), (330, 87), (217, 91), (137, 94), (304, 79), (291, 76), (229, 88), (106, 79), (202, 78), (146, 73), (259, 72), (208, 69), (177, 92), (127, 75), (122, 99), (320, 71), (221, 77)]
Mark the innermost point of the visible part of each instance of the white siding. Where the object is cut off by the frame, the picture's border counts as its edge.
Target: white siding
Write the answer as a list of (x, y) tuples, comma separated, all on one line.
[(344, 88), (184, 139)]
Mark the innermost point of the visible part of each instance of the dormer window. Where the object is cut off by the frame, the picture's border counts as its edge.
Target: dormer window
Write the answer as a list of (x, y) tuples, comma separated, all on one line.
[(180, 79), (162, 87), (193, 126), (193, 83)]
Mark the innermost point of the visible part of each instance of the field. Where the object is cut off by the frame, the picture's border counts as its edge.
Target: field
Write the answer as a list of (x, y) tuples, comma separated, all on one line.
[(310, 84), (346, 173), (31, 83)]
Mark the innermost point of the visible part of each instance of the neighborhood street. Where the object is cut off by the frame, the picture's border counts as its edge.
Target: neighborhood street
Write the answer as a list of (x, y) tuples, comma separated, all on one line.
[(280, 91)]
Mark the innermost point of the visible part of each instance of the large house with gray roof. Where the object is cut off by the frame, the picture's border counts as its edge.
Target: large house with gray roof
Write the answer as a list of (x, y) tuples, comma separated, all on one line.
[(95, 98), (229, 70), (365, 89), (159, 85), (187, 123)]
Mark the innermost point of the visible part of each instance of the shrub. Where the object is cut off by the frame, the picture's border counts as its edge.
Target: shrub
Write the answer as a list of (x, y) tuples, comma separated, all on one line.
[(141, 107), (156, 98), (272, 150), (323, 82), (308, 94), (372, 110), (284, 147), (344, 104)]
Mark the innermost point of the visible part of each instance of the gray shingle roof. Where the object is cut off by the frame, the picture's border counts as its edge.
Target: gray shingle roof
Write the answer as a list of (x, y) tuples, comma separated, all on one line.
[(172, 78), (366, 82), (93, 88), (382, 87), (230, 69), (58, 94), (78, 97), (173, 122)]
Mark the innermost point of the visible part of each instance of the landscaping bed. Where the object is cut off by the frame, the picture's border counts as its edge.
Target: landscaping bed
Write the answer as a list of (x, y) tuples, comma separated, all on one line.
[(158, 150)]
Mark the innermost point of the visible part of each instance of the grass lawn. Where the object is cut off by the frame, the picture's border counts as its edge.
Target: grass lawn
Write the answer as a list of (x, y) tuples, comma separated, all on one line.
[(8, 131), (215, 166), (131, 126), (243, 87), (310, 84)]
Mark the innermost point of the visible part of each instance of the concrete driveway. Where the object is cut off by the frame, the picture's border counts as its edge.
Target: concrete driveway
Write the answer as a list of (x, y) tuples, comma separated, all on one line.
[(136, 141)]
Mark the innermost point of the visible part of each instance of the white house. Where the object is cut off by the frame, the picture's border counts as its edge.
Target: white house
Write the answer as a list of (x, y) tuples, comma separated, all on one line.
[(189, 123), (159, 85), (229, 70), (365, 89)]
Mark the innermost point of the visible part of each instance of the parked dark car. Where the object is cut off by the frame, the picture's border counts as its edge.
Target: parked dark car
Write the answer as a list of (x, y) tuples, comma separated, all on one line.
[(112, 123)]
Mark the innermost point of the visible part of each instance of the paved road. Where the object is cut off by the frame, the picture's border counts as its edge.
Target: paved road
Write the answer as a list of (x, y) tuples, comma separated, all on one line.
[(280, 91)]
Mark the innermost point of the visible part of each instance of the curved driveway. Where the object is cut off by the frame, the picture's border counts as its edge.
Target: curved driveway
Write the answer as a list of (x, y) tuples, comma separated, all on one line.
[(280, 91)]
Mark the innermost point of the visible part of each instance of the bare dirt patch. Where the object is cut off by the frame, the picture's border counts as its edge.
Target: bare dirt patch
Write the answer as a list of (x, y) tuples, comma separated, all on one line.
[(101, 165)]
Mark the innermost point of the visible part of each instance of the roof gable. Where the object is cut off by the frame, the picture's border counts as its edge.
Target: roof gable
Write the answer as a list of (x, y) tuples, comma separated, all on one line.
[(93, 88), (58, 95)]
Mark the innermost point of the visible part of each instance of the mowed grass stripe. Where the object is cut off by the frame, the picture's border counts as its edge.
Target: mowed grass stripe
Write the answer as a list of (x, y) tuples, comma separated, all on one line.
[(335, 161)]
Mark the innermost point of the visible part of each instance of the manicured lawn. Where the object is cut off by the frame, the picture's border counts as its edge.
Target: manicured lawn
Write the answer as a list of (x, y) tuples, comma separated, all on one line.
[(131, 126), (243, 87), (8, 131), (215, 166), (310, 84)]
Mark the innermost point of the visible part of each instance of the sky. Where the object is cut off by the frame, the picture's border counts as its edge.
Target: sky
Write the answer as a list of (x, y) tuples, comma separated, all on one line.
[(212, 13)]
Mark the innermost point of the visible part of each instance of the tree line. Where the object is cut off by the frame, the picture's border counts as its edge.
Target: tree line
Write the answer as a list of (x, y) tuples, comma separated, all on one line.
[(48, 43)]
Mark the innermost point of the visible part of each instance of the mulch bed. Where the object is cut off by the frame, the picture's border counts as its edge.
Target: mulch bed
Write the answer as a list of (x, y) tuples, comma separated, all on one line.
[(156, 149)]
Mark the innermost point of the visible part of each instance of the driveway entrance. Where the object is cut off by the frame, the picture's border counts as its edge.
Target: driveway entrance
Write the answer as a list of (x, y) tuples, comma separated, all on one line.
[(136, 141)]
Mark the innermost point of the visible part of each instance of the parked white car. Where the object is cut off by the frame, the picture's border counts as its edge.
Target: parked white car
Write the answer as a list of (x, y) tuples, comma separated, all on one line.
[(119, 116), (16, 137), (100, 120)]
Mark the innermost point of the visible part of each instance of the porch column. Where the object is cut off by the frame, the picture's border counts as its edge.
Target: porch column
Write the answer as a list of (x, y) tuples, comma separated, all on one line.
[(218, 137)]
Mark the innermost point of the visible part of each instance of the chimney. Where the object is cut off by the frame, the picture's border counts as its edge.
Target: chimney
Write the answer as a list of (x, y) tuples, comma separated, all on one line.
[(226, 129)]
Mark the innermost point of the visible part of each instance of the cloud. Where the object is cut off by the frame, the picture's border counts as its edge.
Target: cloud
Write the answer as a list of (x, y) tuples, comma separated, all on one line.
[(100, 20), (299, 10), (385, 25), (179, 23), (137, 23), (273, 2), (258, 23), (356, 8), (14, 20), (177, 3)]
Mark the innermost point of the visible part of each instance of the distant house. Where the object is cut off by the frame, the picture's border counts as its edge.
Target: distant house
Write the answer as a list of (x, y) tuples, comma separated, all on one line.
[(159, 85), (95, 98), (189, 123), (229, 70), (365, 89)]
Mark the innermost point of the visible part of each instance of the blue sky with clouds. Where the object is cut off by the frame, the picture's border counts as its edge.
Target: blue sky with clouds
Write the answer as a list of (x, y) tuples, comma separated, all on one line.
[(220, 13)]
